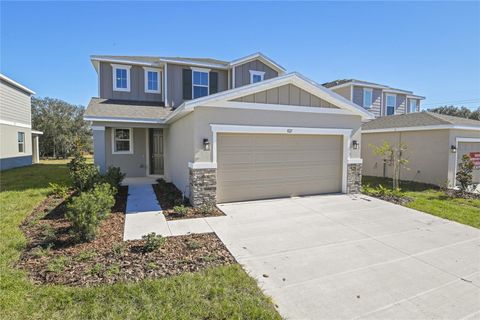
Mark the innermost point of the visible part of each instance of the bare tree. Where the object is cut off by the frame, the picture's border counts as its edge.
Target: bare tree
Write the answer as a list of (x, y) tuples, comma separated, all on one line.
[(392, 155)]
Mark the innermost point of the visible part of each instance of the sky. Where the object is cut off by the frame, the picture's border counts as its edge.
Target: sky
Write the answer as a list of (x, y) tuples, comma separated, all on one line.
[(431, 48)]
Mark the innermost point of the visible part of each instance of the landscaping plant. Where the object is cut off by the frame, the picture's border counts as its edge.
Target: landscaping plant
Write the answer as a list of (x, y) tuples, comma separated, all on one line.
[(58, 190), (113, 176), (464, 173), (180, 210), (153, 241), (392, 155), (206, 208), (84, 175)]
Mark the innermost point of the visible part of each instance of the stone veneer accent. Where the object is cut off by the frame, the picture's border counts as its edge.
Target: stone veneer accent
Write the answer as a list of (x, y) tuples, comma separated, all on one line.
[(354, 177), (203, 186)]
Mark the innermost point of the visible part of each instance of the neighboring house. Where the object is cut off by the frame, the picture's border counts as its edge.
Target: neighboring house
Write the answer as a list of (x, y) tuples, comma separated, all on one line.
[(224, 131), (379, 99), (435, 144), (18, 142)]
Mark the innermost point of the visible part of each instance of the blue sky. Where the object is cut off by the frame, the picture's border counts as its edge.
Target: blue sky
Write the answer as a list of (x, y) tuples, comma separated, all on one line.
[(432, 48)]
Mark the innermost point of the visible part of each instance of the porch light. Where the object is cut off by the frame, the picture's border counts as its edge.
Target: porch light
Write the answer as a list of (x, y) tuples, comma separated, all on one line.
[(355, 144), (206, 144), (453, 148)]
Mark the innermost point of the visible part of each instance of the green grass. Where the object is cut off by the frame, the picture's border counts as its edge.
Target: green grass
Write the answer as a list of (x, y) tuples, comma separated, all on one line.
[(217, 293), (432, 200)]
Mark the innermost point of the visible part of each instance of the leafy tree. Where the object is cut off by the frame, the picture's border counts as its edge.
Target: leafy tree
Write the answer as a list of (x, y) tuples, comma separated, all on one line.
[(62, 124), (84, 175), (464, 172), (458, 112), (392, 155)]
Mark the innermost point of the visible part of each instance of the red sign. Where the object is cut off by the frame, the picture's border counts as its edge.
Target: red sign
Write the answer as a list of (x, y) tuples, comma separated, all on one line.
[(475, 157)]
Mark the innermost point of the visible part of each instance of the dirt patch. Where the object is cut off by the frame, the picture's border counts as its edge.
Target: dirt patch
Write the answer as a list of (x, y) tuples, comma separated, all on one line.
[(53, 255), (169, 196)]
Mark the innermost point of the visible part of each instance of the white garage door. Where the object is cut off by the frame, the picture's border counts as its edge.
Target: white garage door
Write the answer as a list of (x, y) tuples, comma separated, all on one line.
[(473, 150), (262, 166)]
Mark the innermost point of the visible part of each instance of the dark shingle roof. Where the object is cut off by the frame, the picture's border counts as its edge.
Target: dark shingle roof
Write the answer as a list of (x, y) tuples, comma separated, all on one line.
[(151, 59), (120, 109), (418, 119)]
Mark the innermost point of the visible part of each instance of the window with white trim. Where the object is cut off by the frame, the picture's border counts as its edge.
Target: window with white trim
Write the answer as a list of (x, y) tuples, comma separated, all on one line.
[(256, 76), (199, 83), (122, 140), (152, 80), (21, 141), (412, 106), (367, 98), (391, 101), (121, 77)]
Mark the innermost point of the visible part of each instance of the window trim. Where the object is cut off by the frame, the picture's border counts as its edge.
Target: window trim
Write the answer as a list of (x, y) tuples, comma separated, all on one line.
[(371, 98), (256, 73), (115, 67), (130, 140), (394, 103), (203, 70), (159, 77), (22, 142), (409, 109)]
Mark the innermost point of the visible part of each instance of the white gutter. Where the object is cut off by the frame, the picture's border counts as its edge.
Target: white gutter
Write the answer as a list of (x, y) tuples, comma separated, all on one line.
[(422, 128)]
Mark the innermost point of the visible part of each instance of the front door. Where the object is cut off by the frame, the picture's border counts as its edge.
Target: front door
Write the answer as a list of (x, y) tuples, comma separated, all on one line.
[(156, 151)]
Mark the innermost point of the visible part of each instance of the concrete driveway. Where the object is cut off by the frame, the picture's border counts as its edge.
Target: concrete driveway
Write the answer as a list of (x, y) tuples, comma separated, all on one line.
[(339, 257)]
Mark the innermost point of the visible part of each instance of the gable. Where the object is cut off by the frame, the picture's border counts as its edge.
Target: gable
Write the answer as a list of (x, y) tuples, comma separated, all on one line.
[(288, 94), (242, 72)]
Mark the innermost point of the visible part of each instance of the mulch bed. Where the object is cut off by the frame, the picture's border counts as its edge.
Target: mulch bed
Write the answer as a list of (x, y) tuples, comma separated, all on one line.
[(452, 193), (169, 196), (54, 256)]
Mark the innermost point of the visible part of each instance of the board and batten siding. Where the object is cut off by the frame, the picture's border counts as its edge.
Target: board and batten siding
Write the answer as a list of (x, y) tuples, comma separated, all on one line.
[(242, 72), (15, 104), (137, 85), (345, 92), (376, 108)]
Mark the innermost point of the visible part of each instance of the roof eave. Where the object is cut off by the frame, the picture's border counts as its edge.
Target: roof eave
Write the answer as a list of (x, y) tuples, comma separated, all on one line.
[(16, 84)]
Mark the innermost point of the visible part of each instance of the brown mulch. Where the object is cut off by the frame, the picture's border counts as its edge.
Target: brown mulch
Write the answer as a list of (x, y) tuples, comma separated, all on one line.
[(53, 255), (391, 198), (452, 193), (169, 196)]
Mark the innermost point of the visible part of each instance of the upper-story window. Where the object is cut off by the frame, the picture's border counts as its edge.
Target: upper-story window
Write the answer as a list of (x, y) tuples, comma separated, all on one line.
[(121, 77), (367, 98), (412, 106), (199, 83), (21, 142), (391, 102), (256, 76), (152, 80)]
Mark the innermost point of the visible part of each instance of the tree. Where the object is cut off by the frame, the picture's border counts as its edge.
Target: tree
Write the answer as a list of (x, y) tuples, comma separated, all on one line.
[(458, 112), (62, 124), (393, 156), (464, 172)]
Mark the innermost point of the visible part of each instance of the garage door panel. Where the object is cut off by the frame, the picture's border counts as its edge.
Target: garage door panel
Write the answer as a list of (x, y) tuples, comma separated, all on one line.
[(258, 166)]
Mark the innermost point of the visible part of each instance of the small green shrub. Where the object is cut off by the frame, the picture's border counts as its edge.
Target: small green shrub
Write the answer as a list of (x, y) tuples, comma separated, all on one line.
[(381, 191), (86, 255), (193, 245), (464, 173), (181, 210), (86, 211), (113, 269), (84, 175), (153, 241), (58, 264), (48, 233), (60, 191), (39, 251), (96, 269), (151, 265), (113, 176), (206, 208), (118, 249)]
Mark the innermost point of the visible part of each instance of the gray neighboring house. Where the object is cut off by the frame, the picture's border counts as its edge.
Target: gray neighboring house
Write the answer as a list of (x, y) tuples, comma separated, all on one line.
[(435, 144), (379, 99), (18, 141), (224, 131)]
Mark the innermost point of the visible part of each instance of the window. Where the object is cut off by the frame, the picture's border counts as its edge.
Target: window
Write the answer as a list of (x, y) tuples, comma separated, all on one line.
[(367, 98), (122, 141), (256, 76), (412, 107), (152, 80), (121, 77), (21, 142), (391, 102), (199, 83)]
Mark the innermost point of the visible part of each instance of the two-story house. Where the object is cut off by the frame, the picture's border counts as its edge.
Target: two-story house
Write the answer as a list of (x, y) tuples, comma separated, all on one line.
[(18, 142), (224, 130), (379, 99)]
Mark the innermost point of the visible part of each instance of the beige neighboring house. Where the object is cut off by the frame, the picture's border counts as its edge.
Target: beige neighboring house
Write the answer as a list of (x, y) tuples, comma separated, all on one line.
[(435, 144), (18, 141), (224, 131), (379, 99)]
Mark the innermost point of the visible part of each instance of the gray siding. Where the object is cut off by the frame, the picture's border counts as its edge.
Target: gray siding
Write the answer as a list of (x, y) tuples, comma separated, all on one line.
[(137, 85), (376, 99), (175, 83), (418, 104), (9, 141), (134, 165), (287, 95), (400, 107), (15, 104), (242, 74)]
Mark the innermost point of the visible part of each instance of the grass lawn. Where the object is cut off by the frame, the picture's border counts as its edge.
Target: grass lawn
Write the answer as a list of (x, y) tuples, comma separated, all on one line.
[(430, 199), (218, 293)]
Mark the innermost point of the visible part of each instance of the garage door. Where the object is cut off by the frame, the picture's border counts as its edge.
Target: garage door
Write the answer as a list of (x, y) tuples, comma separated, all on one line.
[(262, 166), (473, 150)]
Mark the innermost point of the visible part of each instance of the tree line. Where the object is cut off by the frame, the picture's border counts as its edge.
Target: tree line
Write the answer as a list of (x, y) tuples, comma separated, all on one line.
[(62, 125), (458, 112)]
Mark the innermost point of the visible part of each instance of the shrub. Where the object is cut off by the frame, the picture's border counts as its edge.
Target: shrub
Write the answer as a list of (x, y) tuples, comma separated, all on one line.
[(180, 210), (113, 269), (114, 177), (464, 173), (206, 208), (48, 233), (86, 211), (84, 175), (118, 249), (153, 241), (96, 269), (193, 245), (58, 190), (86, 255), (58, 264)]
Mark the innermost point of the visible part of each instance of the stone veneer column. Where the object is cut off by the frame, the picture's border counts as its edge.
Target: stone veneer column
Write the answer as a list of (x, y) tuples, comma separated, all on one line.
[(203, 186), (354, 177)]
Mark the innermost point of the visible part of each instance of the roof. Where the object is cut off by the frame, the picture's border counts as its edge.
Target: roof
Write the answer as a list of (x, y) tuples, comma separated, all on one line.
[(15, 84), (342, 82), (339, 82), (418, 119), (118, 110)]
